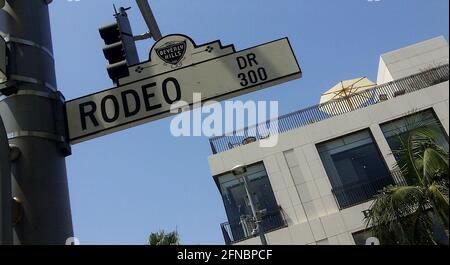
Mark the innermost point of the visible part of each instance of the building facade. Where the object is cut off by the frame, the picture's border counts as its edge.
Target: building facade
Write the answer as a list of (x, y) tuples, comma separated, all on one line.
[(314, 186)]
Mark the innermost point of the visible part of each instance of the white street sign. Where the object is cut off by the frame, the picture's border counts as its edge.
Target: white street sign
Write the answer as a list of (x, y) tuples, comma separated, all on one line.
[(176, 70)]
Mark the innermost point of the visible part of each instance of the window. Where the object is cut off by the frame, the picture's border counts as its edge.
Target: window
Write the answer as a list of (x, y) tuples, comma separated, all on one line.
[(393, 129), (355, 168), (237, 204), (439, 234), (361, 238)]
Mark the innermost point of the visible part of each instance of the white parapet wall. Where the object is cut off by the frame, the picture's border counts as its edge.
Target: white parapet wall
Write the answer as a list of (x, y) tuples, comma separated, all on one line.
[(413, 59)]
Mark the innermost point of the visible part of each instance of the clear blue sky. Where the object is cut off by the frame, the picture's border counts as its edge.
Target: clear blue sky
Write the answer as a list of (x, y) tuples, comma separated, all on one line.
[(125, 185)]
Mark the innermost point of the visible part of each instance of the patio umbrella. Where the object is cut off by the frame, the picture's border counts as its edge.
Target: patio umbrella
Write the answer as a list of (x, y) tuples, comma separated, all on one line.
[(345, 96)]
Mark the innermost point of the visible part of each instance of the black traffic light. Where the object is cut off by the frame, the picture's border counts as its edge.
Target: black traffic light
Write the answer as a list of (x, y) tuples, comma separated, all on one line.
[(120, 48)]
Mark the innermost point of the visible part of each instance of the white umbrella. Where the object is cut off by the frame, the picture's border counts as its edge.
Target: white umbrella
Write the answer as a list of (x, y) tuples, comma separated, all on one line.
[(345, 96)]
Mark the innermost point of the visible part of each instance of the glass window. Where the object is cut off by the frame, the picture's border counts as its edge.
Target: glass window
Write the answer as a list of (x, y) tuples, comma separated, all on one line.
[(355, 167), (438, 231), (362, 236), (237, 203), (393, 129)]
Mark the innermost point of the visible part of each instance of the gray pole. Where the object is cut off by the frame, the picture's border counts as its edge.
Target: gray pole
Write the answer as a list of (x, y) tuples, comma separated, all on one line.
[(5, 189), (262, 236), (149, 18), (34, 121)]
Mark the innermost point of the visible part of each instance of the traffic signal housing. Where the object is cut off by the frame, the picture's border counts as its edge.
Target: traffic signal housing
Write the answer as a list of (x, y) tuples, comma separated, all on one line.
[(120, 48)]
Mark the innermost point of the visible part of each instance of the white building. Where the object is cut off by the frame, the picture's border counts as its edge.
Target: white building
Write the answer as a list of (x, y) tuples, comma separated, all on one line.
[(315, 184)]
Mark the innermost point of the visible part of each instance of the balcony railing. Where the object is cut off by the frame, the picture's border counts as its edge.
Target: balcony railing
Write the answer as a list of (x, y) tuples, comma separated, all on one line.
[(330, 109), (350, 195), (244, 228)]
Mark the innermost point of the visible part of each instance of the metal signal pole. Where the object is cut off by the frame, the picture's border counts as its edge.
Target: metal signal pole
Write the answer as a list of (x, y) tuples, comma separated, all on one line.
[(5, 189), (33, 114), (149, 18)]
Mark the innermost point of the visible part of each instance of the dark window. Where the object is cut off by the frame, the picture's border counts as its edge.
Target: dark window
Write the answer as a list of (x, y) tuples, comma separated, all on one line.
[(439, 234), (362, 236), (394, 129), (237, 205), (355, 168)]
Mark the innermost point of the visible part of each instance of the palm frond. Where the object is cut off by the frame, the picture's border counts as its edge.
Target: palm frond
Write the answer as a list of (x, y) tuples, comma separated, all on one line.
[(398, 213), (401, 215), (414, 138), (163, 238), (434, 165), (440, 200)]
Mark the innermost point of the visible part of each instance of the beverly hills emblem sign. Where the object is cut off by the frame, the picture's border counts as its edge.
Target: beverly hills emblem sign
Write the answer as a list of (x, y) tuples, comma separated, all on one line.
[(177, 69), (172, 52)]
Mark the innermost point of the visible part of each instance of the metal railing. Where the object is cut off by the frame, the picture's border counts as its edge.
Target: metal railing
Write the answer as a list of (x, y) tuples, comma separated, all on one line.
[(360, 192), (330, 109), (236, 231)]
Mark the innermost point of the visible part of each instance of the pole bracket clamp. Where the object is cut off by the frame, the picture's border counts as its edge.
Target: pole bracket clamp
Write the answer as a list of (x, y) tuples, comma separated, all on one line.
[(54, 95), (10, 39), (11, 86), (60, 134), (61, 140)]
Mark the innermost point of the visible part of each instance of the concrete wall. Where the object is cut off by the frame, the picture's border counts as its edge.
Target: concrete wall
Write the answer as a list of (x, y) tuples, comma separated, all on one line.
[(412, 59), (299, 180)]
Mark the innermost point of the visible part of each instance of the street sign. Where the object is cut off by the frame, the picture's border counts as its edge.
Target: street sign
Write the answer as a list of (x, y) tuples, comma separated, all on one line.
[(177, 69)]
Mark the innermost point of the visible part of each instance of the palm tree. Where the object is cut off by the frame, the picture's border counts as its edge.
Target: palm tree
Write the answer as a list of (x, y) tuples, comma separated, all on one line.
[(163, 238), (405, 214)]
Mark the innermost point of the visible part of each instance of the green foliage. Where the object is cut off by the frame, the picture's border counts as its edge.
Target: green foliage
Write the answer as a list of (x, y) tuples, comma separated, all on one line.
[(163, 238), (404, 214)]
